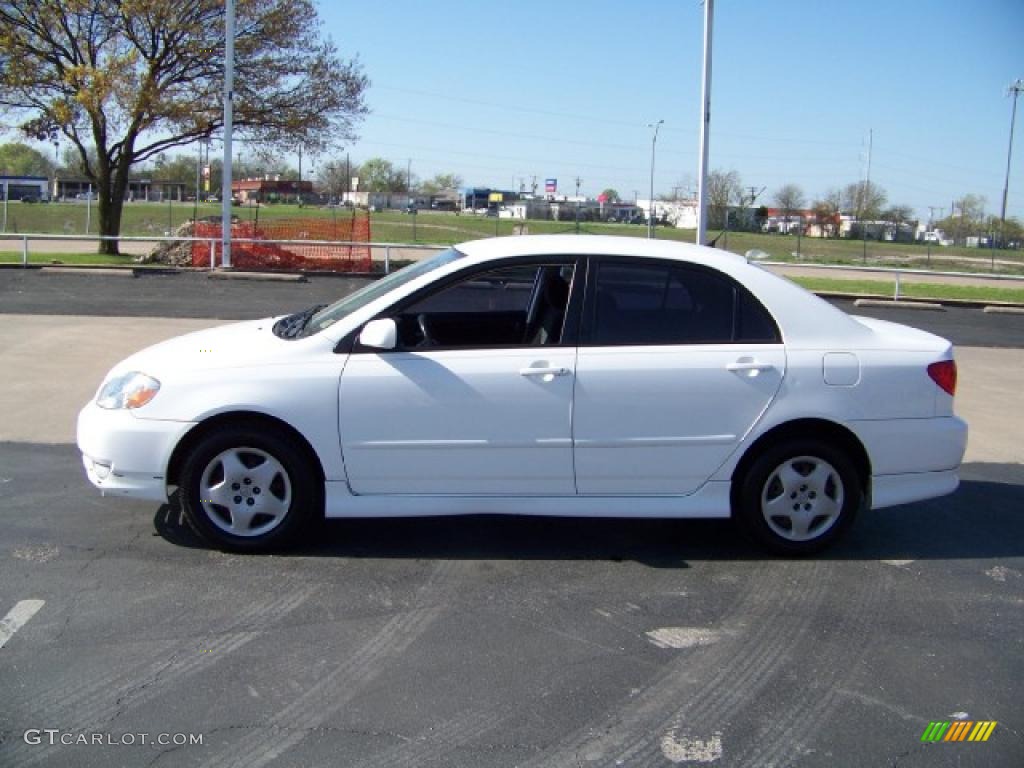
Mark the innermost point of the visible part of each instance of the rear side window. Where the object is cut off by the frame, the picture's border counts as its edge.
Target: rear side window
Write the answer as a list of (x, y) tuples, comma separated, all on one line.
[(656, 304)]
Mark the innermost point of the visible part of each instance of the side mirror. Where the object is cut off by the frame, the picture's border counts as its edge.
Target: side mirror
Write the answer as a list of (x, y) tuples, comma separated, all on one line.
[(379, 334)]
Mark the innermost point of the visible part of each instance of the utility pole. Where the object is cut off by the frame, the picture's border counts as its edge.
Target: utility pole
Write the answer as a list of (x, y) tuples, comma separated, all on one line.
[(705, 127), (654, 142), (1013, 90), (578, 182), (864, 197)]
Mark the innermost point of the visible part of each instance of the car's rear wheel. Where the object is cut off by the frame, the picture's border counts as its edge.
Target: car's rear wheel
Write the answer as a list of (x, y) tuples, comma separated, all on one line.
[(799, 496), (244, 489)]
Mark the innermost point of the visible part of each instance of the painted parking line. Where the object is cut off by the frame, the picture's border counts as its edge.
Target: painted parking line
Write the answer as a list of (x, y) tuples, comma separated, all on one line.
[(17, 617)]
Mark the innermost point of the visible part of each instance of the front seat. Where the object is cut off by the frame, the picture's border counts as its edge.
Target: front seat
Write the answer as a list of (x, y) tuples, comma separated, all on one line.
[(546, 324)]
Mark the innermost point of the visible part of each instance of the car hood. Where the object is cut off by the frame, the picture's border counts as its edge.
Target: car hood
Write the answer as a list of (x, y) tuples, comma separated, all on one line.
[(227, 346)]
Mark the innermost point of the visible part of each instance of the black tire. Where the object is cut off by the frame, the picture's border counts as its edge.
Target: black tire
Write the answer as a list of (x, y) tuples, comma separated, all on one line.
[(798, 497), (270, 498)]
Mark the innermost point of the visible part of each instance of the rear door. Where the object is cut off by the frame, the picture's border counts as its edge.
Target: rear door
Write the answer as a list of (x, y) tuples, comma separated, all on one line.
[(676, 364)]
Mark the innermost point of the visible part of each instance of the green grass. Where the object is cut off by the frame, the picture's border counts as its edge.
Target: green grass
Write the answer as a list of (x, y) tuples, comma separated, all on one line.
[(938, 291), (75, 259)]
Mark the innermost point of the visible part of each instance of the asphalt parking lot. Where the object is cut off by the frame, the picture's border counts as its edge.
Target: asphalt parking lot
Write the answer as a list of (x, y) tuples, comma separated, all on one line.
[(487, 641)]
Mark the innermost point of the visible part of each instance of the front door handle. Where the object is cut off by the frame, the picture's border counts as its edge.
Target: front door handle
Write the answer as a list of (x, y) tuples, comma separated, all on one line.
[(550, 372), (749, 365)]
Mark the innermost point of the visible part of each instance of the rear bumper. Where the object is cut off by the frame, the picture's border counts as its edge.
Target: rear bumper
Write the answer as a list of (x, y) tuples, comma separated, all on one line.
[(912, 446), (890, 490), (127, 456)]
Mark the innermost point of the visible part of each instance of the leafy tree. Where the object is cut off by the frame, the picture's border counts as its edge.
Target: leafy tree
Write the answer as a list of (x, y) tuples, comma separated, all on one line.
[(441, 183), (897, 216), (611, 195), (724, 189), (19, 159), (134, 78), (1012, 232), (380, 175), (179, 168), (968, 218), (790, 200)]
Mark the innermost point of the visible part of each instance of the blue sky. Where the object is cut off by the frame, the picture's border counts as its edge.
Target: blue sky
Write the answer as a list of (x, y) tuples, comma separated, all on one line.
[(499, 92)]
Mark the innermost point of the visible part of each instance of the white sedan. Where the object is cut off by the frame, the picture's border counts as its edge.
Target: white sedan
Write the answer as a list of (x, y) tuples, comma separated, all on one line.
[(553, 375)]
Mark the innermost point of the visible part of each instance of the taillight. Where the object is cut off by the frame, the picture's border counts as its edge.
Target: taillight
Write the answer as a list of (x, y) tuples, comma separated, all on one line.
[(943, 373)]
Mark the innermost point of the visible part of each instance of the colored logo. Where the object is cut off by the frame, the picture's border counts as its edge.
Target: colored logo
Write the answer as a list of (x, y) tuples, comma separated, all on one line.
[(958, 730)]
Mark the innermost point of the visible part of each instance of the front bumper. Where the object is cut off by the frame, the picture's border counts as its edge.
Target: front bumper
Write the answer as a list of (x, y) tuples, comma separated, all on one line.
[(126, 455)]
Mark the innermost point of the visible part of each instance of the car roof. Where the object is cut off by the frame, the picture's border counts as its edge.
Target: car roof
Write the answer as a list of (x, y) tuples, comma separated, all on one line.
[(595, 245)]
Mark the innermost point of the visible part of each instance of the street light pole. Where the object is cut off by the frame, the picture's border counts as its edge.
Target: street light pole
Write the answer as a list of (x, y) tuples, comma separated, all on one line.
[(650, 210), (1014, 90), (229, 85), (705, 127)]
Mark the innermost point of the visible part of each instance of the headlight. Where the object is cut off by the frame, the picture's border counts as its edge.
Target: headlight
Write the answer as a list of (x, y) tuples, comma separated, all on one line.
[(131, 390)]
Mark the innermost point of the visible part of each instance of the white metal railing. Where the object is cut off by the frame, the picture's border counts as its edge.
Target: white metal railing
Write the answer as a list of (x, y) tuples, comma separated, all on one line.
[(213, 242), (388, 247)]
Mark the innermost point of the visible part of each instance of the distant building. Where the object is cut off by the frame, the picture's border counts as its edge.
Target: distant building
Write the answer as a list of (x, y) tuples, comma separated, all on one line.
[(681, 214), (266, 189), (151, 190), (32, 188)]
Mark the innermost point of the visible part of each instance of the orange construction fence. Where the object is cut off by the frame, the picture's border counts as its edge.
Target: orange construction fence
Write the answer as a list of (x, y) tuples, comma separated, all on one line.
[(324, 256)]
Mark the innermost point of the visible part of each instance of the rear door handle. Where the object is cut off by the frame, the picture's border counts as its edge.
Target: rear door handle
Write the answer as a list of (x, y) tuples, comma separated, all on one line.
[(543, 371)]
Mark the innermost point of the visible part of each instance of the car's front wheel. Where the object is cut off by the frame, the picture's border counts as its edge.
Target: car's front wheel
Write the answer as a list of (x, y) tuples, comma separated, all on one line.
[(799, 497), (245, 489)]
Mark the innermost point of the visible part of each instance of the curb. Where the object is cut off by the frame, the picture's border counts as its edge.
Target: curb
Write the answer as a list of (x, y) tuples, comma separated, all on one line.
[(888, 300), (999, 309), (262, 276), (100, 271), (924, 305)]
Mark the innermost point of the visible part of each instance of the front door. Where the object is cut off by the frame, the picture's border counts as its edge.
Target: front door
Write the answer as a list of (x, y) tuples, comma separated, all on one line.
[(477, 399)]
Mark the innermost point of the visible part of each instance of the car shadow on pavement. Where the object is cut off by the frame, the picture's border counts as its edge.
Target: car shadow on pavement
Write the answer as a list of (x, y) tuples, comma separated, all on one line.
[(984, 518)]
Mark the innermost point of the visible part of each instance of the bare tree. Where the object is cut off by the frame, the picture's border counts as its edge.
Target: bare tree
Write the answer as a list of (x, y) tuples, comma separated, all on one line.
[(826, 212), (724, 190), (865, 200), (130, 79), (789, 199)]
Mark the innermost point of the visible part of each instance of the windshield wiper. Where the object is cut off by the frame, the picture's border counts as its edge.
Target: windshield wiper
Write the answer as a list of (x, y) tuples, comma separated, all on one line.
[(291, 326)]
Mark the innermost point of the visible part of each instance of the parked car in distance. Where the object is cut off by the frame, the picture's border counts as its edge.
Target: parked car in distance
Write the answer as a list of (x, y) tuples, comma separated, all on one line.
[(538, 375)]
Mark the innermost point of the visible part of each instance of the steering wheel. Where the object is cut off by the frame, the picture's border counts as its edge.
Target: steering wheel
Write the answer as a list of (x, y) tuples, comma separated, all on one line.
[(427, 340)]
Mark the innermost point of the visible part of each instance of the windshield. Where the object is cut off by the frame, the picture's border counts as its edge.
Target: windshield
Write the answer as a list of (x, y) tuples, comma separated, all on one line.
[(331, 314)]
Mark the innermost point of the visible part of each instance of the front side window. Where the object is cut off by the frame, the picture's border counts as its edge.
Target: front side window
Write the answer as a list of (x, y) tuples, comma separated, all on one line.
[(659, 304), (329, 315), (506, 307)]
